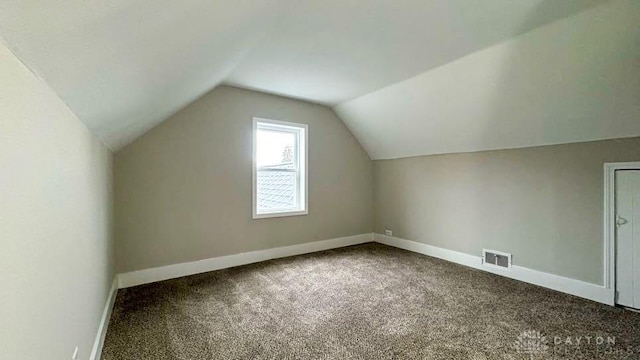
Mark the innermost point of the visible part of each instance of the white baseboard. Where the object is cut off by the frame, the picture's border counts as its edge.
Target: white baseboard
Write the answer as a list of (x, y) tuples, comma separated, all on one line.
[(96, 352), (196, 267), (566, 285)]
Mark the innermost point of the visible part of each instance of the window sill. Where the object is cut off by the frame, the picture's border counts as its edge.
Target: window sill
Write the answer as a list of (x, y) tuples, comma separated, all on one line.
[(280, 214)]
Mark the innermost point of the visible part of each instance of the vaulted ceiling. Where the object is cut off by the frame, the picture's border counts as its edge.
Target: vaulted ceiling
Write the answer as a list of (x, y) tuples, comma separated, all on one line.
[(125, 66), (573, 80)]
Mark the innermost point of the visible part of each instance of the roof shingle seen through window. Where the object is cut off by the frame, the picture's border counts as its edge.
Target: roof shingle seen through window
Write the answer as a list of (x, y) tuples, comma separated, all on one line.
[(276, 189)]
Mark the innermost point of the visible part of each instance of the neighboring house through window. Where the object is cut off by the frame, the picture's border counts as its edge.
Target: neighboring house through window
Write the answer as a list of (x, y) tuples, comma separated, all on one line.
[(279, 168)]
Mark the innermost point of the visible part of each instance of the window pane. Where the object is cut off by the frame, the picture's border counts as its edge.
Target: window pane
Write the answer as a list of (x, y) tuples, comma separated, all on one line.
[(276, 149), (276, 190), (276, 180)]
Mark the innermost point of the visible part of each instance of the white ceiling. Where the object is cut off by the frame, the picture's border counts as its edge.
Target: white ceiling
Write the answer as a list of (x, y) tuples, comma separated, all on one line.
[(124, 66), (331, 51), (569, 81)]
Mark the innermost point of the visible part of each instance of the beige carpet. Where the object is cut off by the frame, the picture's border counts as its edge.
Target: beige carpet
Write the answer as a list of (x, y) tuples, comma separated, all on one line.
[(363, 302)]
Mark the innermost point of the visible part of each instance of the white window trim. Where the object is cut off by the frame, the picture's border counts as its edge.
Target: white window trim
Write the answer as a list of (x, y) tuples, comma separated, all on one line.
[(303, 172)]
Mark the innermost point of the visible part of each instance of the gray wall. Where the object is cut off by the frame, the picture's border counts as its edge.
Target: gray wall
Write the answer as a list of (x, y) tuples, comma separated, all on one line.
[(542, 204), (183, 191), (56, 263)]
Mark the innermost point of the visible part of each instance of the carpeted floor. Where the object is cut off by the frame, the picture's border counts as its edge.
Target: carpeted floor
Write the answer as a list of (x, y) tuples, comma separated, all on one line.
[(363, 302)]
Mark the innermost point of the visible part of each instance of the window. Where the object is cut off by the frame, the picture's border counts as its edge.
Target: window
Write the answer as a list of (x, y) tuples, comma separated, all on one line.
[(279, 168)]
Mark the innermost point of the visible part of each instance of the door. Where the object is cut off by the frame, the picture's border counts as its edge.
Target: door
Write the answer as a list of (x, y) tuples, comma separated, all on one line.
[(628, 238)]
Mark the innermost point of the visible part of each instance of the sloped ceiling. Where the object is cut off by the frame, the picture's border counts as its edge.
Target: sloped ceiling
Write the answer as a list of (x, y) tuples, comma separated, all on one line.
[(124, 66), (569, 81), (333, 51)]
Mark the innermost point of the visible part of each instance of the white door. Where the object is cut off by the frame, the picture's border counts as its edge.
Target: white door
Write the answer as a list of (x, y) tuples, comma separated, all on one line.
[(628, 238)]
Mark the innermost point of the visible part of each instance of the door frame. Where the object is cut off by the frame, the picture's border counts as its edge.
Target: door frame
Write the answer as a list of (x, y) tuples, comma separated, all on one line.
[(610, 222)]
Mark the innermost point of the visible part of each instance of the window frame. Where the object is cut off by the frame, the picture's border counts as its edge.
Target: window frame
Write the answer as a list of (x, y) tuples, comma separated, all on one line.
[(302, 173)]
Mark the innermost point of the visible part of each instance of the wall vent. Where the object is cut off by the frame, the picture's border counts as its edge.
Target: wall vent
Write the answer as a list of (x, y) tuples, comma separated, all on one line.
[(497, 259)]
